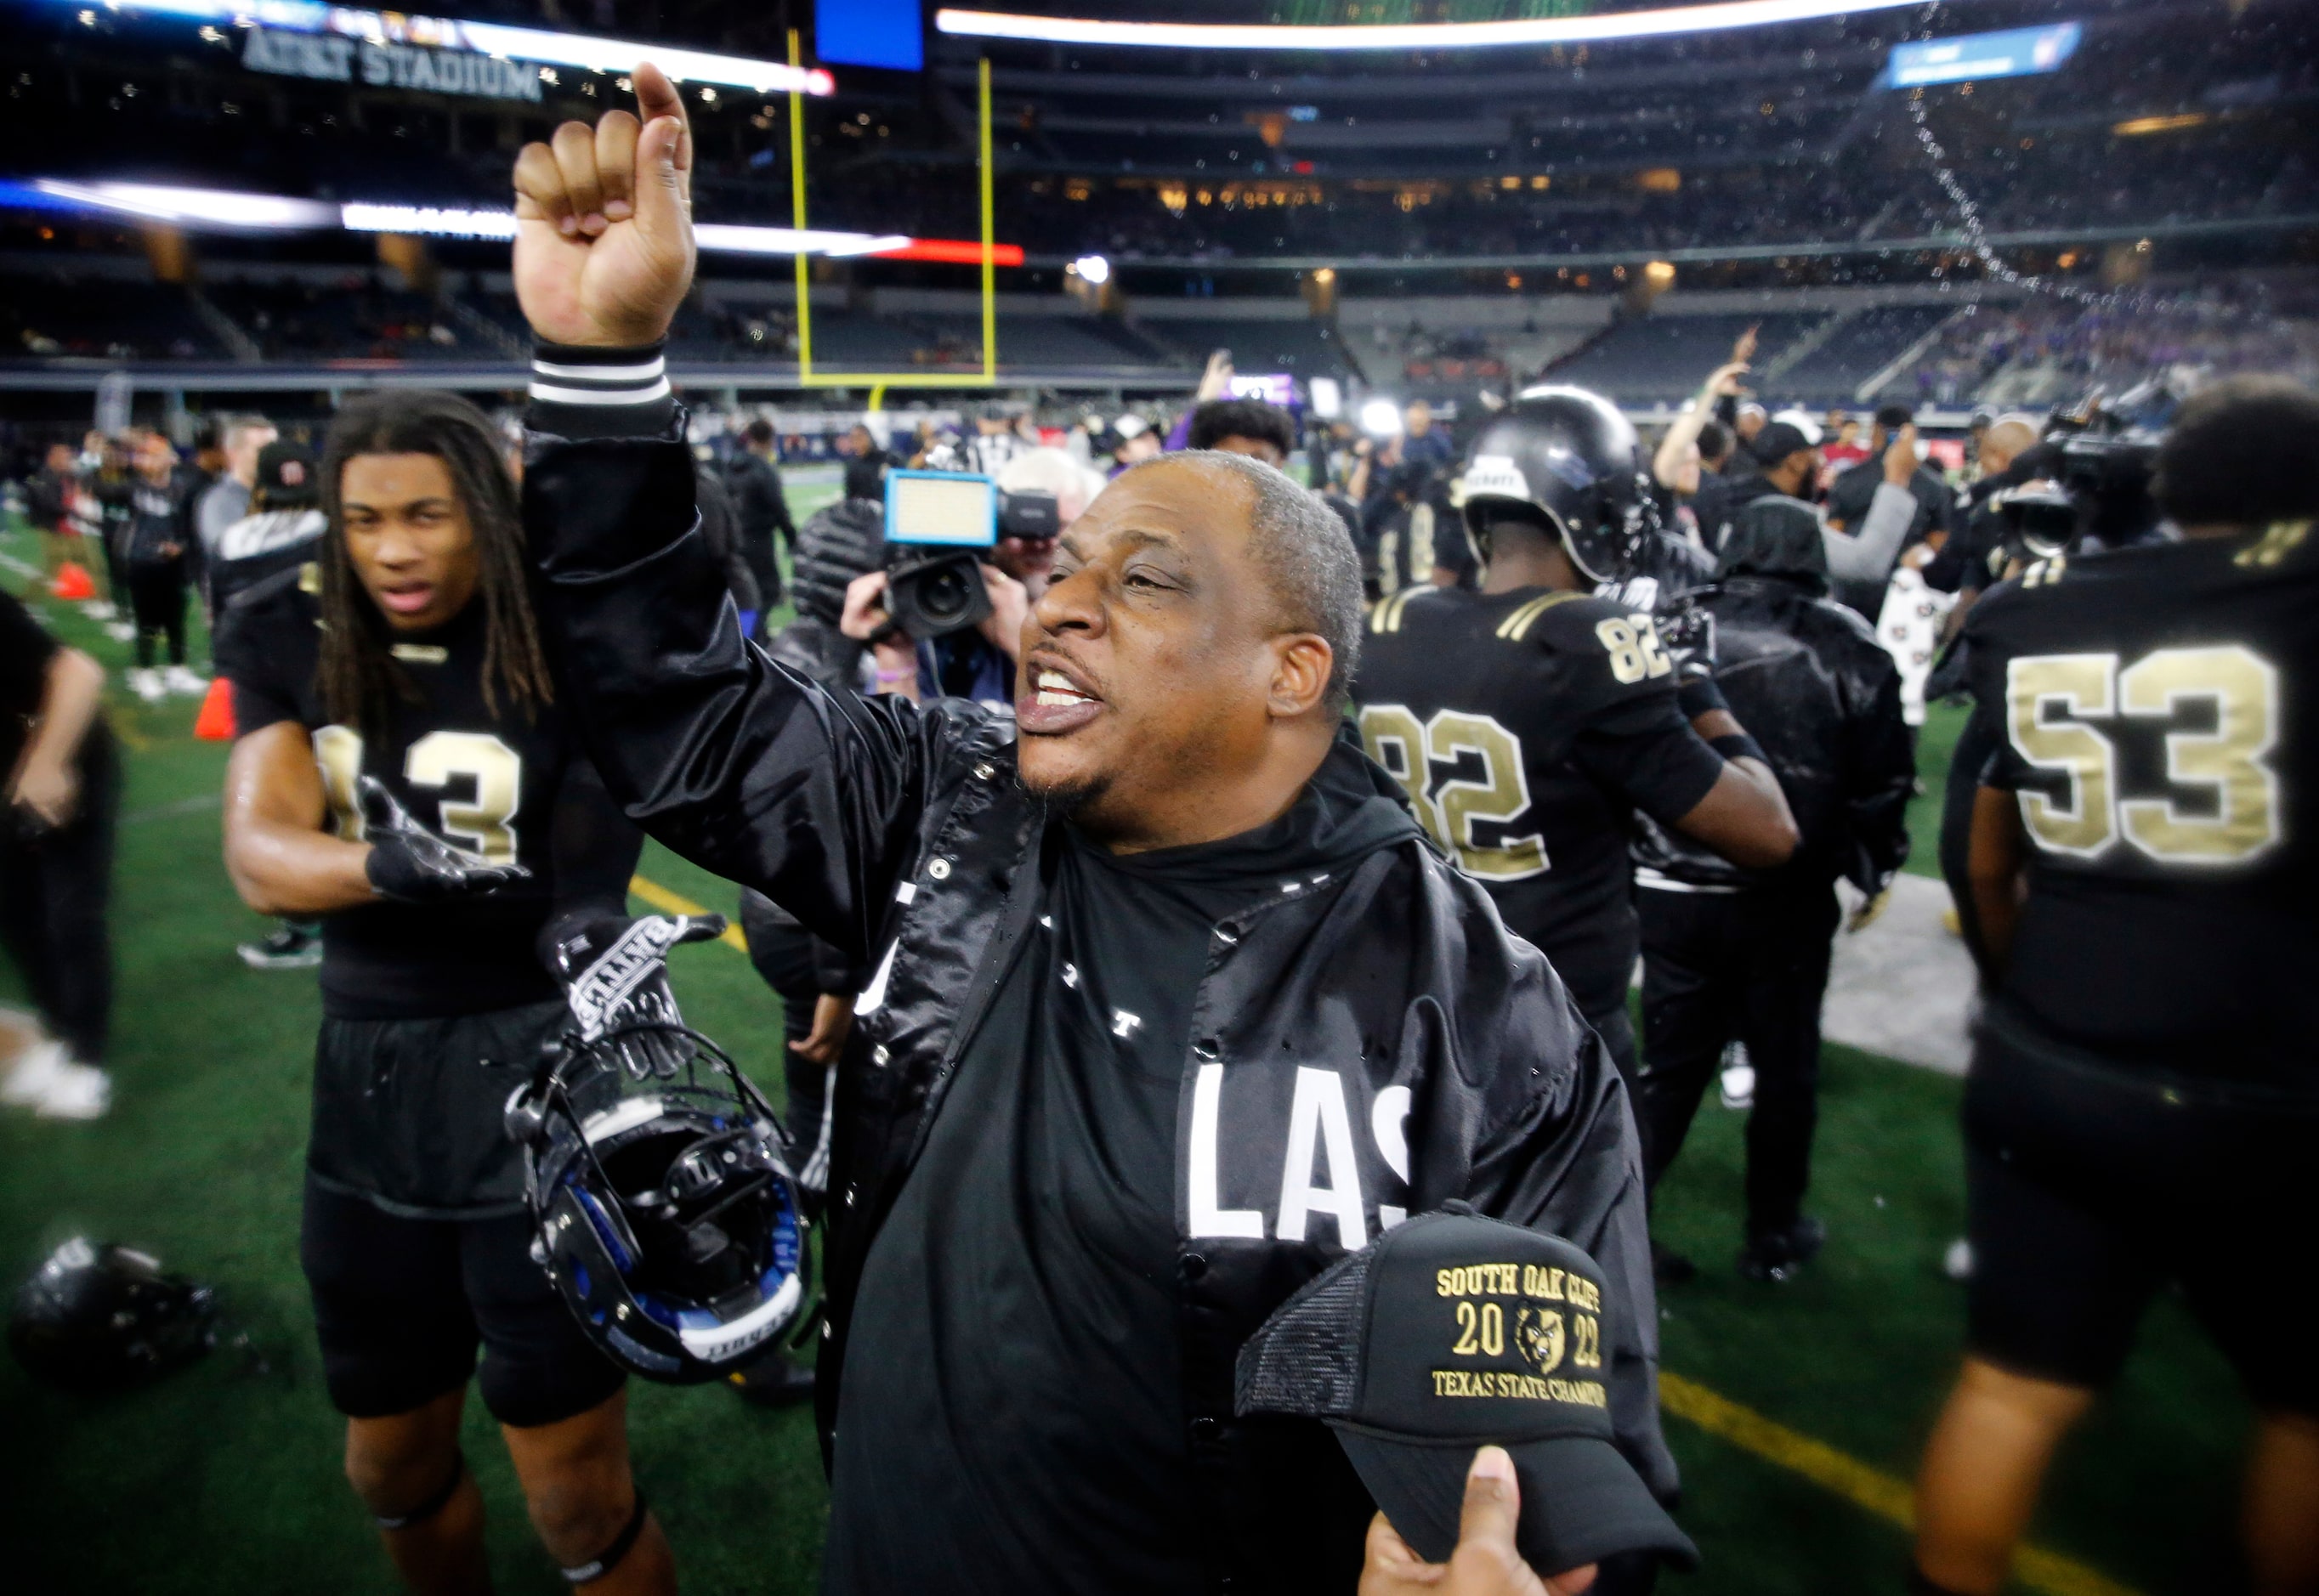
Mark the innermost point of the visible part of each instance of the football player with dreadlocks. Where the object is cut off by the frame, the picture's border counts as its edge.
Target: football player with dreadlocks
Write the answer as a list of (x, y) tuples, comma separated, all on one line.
[(1529, 719), (405, 774)]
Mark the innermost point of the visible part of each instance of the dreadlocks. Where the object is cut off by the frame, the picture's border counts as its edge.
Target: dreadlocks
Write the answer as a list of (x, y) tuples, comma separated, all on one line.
[(359, 676)]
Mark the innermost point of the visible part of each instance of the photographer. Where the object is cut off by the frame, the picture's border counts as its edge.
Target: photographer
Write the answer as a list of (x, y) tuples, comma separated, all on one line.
[(2143, 1108)]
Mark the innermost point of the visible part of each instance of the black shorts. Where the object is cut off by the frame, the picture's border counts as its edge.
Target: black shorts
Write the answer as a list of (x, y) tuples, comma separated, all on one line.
[(400, 1304), (2088, 1188), (408, 1111)]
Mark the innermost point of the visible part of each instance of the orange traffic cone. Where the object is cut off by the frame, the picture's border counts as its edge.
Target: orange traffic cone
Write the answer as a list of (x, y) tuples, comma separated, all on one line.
[(72, 582), (214, 723)]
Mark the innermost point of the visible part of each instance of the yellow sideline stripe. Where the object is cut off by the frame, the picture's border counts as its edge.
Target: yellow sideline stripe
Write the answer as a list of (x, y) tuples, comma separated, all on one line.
[(676, 903), (1865, 1487)]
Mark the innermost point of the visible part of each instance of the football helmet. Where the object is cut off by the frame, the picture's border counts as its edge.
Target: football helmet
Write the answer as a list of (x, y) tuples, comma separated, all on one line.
[(663, 1209), (103, 1317), (1567, 456)]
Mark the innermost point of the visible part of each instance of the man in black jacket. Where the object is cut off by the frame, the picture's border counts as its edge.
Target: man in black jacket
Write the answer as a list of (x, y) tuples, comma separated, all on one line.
[(1729, 952), (761, 509), (1170, 1004)]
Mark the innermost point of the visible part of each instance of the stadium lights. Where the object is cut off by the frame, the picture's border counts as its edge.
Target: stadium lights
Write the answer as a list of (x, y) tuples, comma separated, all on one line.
[(1566, 29), (489, 39), (196, 207), (206, 209), (1092, 269)]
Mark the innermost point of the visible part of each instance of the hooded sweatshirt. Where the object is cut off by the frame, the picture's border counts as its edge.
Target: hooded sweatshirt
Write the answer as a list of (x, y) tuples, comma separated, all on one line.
[(1014, 1404)]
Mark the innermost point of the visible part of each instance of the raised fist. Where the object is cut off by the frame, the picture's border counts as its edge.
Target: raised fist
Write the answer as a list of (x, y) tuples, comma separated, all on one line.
[(603, 223)]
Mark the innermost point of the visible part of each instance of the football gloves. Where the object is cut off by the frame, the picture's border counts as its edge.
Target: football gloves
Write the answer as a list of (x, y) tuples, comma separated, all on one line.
[(411, 864), (1687, 632), (614, 974)]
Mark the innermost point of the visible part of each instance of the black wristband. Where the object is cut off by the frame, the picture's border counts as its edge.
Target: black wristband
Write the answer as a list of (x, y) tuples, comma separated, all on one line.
[(1737, 745), (1700, 696)]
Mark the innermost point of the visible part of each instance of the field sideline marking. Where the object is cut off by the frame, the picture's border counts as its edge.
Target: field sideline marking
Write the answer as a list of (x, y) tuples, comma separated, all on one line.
[(1878, 1493), (676, 903), (1865, 1487)]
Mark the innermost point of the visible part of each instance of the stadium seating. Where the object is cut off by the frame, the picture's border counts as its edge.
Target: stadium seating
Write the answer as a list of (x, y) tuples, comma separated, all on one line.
[(1303, 347), (1864, 344), (1667, 358), (49, 316)]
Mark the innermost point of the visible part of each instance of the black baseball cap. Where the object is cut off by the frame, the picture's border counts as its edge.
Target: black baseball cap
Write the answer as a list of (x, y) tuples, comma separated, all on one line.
[(1777, 441), (1451, 1332), (287, 477)]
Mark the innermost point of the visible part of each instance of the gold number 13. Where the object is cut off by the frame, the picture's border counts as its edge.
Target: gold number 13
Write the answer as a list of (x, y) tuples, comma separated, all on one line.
[(481, 827), (2051, 698)]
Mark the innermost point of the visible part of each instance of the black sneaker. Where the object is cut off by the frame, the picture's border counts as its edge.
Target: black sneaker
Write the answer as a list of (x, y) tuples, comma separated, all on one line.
[(1774, 1256), (291, 947), (1669, 1267)]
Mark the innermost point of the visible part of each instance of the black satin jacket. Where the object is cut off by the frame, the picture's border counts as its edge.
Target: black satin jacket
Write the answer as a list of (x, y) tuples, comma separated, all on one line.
[(1812, 685), (899, 833)]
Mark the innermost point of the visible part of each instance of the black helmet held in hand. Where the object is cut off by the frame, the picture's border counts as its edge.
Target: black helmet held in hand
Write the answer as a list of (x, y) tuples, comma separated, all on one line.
[(662, 1208), (105, 1317), (1565, 458)]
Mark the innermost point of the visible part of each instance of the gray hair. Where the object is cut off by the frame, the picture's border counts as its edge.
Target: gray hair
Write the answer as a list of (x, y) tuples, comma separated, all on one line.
[(1306, 555)]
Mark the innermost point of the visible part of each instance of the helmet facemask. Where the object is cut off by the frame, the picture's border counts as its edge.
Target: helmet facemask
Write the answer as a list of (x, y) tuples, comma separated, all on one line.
[(665, 1211)]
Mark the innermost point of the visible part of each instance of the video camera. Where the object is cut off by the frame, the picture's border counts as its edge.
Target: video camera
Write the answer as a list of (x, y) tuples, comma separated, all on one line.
[(937, 522)]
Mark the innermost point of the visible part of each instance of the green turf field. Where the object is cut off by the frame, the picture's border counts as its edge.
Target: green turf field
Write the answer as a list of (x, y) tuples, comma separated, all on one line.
[(224, 1478)]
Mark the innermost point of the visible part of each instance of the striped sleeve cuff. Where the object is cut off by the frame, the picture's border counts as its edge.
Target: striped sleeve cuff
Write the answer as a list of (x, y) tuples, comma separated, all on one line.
[(590, 393)]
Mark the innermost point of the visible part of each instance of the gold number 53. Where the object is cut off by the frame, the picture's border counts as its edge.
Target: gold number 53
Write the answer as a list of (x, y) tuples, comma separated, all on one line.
[(2052, 703)]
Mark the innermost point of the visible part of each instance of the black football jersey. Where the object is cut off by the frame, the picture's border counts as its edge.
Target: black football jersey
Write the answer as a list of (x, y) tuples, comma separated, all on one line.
[(2156, 712), (1402, 546), (503, 785), (1527, 728)]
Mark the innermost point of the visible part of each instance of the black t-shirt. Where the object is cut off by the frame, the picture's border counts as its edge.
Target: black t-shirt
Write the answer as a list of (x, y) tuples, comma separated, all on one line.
[(1527, 728), (25, 651), (2157, 712), (504, 784), (1013, 1417)]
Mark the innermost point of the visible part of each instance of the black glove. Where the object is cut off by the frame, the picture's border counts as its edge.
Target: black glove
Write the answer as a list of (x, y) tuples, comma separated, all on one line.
[(1687, 633), (411, 864), (614, 974)]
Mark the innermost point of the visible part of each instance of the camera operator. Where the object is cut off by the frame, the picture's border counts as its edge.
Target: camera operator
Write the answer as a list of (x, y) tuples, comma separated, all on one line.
[(2143, 1108), (1964, 564)]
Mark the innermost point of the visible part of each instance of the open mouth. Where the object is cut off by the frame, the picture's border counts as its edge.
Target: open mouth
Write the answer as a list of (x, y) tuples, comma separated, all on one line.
[(407, 598), (1055, 703)]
